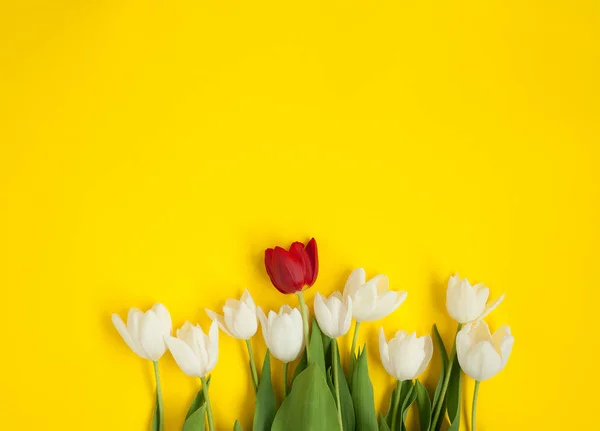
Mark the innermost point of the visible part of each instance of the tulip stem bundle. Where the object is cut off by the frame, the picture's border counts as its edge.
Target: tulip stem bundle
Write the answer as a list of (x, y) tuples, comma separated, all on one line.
[(336, 382), (451, 360), (304, 311), (159, 399), (209, 415), (252, 366), (474, 413)]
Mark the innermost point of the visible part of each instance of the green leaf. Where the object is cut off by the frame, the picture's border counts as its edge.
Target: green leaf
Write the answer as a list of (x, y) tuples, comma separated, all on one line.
[(196, 421), (424, 405), (383, 426), (408, 398), (348, 420), (302, 364), (453, 403), (351, 366), (362, 395), (266, 405), (444, 358), (198, 400), (237, 426), (327, 350), (388, 415), (309, 406), (317, 355)]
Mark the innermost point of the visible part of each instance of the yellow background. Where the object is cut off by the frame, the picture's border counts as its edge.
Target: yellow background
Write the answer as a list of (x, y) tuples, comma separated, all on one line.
[(151, 150)]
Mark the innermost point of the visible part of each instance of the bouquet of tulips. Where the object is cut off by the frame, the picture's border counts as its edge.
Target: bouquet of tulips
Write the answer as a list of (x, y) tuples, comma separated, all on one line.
[(320, 395)]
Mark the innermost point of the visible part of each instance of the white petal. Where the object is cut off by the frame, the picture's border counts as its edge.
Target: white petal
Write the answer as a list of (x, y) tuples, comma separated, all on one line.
[(482, 362), (134, 318), (382, 282), (122, 329), (247, 299), (490, 307), (387, 303), (503, 341), (407, 357), (184, 356), (164, 317), (228, 317), (213, 347), (219, 319), (364, 302), (428, 348), (347, 317), (356, 279), (151, 336), (384, 354), (285, 342), (323, 316), (244, 322), (264, 325)]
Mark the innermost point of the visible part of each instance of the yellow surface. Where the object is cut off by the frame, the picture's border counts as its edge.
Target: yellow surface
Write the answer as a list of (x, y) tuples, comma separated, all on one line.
[(151, 150)]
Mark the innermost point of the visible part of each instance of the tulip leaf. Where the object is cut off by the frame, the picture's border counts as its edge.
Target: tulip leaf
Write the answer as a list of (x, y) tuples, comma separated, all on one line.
[(301, 366), (309, 406), (453, 397), (237, 426), (197, 420), (362, 395), (408, 397), (345, 396), (383, 426), (388, 415), (266, 405), (327, 350), (424, 405), (438, 389), (351, 366), (317, 355), (198, 400)]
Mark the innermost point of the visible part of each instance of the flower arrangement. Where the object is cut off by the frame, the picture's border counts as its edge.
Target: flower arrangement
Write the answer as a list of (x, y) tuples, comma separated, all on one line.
[(320, 395)]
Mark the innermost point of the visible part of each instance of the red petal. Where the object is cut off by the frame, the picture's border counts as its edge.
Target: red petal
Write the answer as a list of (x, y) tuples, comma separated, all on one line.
[(269, 263), (288, 271), (297, 250), (313, 256)]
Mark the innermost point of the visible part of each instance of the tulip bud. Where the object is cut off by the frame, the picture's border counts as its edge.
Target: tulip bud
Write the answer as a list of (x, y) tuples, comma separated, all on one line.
[(239, 319), (196, 354), (482, 355), (371, 300), (466, 303), (283, 332), (334, 314), (291, 271), (406, 356), (145, 332)]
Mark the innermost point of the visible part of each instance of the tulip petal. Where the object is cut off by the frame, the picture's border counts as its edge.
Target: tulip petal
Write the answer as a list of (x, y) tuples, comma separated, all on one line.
[(346, 317), (244, 322), (269, 264), (365, 301), (384, 354), (491, 307), (503, 341), (134, 317), (382, 282), (264, 324), (213, 347), (151, 336), (313, 256), (184, 356), (122, 329), (288, 271), (482, 361), (247, 299), (219, 319), (387, 303), (324, 316), (298, 252), (164, 318), (356, 279), (428, 349)]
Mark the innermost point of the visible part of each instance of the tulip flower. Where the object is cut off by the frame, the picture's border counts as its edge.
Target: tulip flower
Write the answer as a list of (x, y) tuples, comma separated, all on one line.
[(405, 357), (283, 335), (334, 314), (291, 271), (196, 355), (371, 300), (239, 321), (145, 334), (467, 303), (482, 355)]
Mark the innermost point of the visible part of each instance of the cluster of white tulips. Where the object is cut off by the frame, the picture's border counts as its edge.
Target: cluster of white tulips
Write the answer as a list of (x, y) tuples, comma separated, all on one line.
[(405, 357)]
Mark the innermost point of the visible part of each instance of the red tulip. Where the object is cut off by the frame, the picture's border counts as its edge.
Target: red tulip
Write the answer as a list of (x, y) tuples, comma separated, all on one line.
[(291, 271)]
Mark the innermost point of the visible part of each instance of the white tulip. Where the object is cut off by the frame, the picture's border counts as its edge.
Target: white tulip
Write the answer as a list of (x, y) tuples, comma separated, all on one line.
[(283, 332), (145, 332), (482, 355), (195, 352), (371, 300), (406, 356), (334, 314), (239, 317), (466, 303)]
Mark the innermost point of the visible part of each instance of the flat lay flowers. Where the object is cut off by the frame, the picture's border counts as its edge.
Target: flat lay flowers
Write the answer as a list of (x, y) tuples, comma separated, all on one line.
[(328, 389)]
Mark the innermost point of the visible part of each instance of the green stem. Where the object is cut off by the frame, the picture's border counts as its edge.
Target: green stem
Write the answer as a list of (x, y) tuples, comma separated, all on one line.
[(396, 405), (336, 383), (209, 415), (285, 378), (159, 399), (442, 396), (304, 310), (474, 414), (252, 366), (356, 327)]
